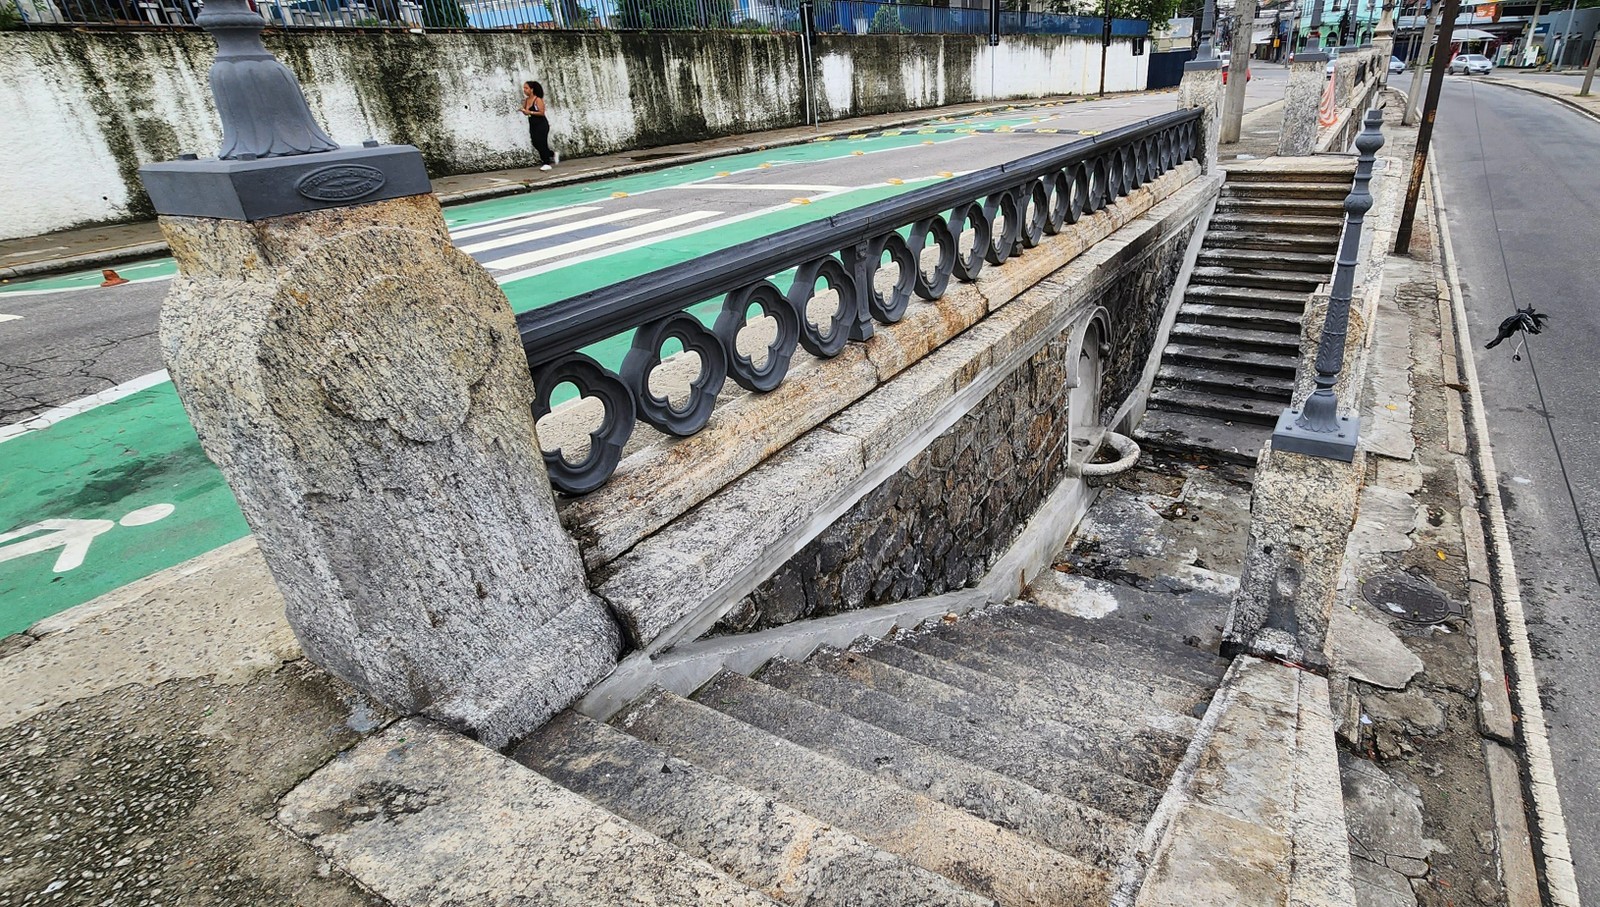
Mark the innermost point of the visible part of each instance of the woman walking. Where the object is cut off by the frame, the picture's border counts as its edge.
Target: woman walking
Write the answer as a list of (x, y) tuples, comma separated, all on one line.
[(533, 107)]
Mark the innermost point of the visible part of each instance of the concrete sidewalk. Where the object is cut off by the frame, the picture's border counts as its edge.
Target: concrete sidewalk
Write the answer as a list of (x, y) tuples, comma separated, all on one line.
[(106, 245)]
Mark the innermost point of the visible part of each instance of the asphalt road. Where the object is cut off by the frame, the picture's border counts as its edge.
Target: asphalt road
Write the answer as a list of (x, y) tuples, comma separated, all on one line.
[(1521, 179)]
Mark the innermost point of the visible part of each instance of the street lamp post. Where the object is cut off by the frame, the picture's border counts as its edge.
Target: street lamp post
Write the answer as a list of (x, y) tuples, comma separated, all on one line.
[(1317, 429)]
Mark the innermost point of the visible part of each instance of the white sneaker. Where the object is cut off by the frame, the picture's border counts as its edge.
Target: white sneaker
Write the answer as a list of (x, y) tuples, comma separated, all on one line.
[(545, 167), (558, 157)]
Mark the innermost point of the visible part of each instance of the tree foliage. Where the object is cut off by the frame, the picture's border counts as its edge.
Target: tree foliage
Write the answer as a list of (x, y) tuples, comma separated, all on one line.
[(443, 14)]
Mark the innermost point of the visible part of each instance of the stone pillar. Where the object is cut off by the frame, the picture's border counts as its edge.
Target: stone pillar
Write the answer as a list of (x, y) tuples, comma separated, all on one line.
[(1297, 136), (1202, 87), (362, 386), (1383, 41)]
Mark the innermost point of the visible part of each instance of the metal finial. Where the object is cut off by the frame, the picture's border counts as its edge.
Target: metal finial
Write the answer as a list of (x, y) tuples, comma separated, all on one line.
[(264, 113)]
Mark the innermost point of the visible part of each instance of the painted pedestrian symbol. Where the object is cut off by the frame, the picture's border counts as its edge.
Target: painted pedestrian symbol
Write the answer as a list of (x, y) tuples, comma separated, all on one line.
[(73, 537)]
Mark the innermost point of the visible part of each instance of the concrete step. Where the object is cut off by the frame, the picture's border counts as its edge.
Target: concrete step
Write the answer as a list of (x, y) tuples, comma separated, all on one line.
[(1254, 298), (1188, 433), (1286, 207), (1280, 260), (1258, 223), (1262, 387), (975, 854), (1195, 615), (1038, 765), (1301, 282), (1240, 317), (1235, 339), (1225, 406), (767, 845), (1061, 824), (1148, 757), (423, 816), (1115, 709), (1288, 189), (1093, 644), (1267, 241), (1272, 365)]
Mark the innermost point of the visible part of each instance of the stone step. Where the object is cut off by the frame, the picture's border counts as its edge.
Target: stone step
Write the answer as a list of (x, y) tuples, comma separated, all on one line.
[(1023, 758), (1274, 365), (1224, 406), (1193, 614), (1148, 758), (977, 855), (1117, 710), (1308, 262), (1263, 387), (769, 846), (1288, 207), (423, 816), (1254, 298), (1242, 317), (1287, 189), (1188, 433), (1302, 282), (1091, 644), (1257, 223), (1268, 241), (1233, 340), (1061, 824), (1340, 176)]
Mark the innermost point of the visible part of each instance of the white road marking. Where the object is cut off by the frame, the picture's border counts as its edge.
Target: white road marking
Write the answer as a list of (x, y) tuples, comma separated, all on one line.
[(10, 317), (775, 187), (522, 220), (81, 405), (9, 294), (501, 242), (528, 258)]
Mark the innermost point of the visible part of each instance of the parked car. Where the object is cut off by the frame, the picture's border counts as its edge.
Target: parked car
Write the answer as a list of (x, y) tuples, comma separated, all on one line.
[(1472, 65), (1396, 65), (1247, 74)]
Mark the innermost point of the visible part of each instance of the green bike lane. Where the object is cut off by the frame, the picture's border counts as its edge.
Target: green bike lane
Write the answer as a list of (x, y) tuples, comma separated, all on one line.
[(118, 491)]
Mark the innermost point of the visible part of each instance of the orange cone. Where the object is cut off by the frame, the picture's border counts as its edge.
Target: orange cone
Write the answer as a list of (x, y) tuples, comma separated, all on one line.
[(112, 278)]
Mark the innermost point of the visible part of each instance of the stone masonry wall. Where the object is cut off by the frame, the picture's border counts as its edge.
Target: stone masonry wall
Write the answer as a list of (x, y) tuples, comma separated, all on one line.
[(938, 523), (104, 102)]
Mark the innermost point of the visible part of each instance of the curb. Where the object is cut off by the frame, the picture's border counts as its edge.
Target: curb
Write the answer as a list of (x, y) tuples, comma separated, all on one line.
[(144, 250), (1554, 97), (1551, 844)]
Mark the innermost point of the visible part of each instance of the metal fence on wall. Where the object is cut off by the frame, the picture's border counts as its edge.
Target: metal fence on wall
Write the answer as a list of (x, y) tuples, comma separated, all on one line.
[(858, 17)]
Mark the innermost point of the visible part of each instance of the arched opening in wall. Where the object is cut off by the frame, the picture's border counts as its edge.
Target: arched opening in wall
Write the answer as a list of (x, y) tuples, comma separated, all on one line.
[(1083, 399)]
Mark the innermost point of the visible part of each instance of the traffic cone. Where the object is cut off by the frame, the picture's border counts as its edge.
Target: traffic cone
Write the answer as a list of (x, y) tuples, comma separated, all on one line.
[(112, 278)]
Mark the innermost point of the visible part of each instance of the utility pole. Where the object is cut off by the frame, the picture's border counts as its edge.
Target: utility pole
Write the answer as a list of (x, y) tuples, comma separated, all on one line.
[(1588, 76), (1410, 119), (1105, 44), (1244, 26), (1529, 55), (1566, 36), (1419, 161)]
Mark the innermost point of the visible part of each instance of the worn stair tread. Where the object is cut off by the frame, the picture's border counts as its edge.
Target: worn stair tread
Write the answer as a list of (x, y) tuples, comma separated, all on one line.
[(1288, 188), (1024, 759), (1018, 628), (1226, 406), (1294, 207), (1253, 278), (1236, 443), (769, 846), (1246, 317), (1247, 221), (1264, 387), (1146, 756), (1057, 822), (1340, 175), (1134, 640), (978, 855), (1195, 615), (1235, 339), (1256, 296), (1257, 258), (420, 816), (1277, 364), (1119, 709)]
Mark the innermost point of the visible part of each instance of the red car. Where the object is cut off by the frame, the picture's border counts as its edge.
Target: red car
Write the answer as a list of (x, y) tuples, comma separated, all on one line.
[(1247, 75)]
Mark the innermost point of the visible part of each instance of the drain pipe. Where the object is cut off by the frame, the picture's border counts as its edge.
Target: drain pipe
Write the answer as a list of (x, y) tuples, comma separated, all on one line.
[(1127, 455)]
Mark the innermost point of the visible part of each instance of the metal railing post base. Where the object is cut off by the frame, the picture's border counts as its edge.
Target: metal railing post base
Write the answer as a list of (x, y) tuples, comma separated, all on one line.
[(1339, 444)]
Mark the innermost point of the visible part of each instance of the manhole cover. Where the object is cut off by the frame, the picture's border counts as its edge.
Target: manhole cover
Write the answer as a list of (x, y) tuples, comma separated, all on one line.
[(1409, 598)]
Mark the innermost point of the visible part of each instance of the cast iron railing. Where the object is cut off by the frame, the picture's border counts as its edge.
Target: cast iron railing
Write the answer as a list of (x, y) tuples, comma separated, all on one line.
[(1028, 197)]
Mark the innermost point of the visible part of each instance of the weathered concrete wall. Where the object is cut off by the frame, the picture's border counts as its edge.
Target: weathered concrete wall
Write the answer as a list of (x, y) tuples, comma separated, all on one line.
[(939, 522), (86, 109)]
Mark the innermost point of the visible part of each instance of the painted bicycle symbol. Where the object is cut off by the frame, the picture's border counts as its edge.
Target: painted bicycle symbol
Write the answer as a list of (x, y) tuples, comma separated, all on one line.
[(73, 537)]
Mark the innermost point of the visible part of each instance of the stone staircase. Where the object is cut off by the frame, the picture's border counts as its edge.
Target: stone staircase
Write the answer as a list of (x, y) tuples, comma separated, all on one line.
[(1229, 366)]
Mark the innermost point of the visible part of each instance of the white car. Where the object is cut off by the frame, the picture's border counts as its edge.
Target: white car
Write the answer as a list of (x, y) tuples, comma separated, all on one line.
[(1472, 64), (1395, 65)]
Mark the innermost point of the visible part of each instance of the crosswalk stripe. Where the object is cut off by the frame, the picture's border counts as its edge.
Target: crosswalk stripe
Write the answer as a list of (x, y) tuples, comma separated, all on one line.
[(528, 258), (514, 222), (516, 239)]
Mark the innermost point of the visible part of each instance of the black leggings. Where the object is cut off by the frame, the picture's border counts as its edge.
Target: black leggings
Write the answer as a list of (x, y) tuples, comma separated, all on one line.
[(539, 131)]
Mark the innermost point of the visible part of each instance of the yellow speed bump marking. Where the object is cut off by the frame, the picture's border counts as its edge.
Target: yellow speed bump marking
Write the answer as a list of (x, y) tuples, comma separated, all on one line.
[(1050, 131), (858, 153), (927, 141), (800, 201), (724, 173), (1088, 132), (927, 130), (946, 174), (766, 166), (825, 138), (892, 131), (896, 182), (859, 135), (1004, 129), (619, 195)]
